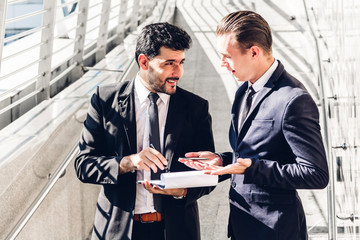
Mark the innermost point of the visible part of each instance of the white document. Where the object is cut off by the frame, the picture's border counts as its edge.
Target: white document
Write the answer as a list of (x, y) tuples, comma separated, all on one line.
[(187, 179)]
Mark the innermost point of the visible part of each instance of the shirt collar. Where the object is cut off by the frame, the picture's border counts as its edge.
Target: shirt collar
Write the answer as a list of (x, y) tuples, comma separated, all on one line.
[(260, 83), (142, 92)]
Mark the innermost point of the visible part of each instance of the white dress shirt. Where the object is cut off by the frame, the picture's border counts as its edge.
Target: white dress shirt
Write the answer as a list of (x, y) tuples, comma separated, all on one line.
[(258, 85), (144, 200)]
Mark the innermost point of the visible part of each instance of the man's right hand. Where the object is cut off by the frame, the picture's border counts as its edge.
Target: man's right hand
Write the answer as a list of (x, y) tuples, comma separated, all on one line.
[(213, 160), (147, 159)]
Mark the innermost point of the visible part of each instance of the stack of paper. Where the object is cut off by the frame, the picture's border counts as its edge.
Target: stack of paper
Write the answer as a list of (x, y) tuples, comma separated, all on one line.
[(187, 179)]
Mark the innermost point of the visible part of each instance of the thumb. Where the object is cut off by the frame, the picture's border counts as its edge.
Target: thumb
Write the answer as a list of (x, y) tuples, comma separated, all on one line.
[(192, 154), (244, 161)]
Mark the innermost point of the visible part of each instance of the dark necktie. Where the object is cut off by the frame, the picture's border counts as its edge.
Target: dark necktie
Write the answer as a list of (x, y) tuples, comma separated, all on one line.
[(154, 121), (154, 137), (248, 101)]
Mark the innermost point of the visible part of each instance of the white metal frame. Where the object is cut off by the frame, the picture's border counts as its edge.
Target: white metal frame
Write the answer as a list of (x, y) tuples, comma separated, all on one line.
[(103, 30), (135, 15), (46, 51), (80, 36), (120, 30), (51, 73)]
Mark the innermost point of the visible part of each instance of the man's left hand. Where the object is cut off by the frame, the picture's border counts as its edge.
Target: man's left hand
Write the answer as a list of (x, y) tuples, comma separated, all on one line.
[(235, 168), (156, 190)]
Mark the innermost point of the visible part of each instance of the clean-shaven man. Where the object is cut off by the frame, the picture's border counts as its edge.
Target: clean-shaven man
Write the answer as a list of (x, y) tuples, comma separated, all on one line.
[(274, 134)]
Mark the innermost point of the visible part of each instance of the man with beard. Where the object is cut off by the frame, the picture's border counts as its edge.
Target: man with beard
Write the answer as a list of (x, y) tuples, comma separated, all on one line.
[(137, 129)]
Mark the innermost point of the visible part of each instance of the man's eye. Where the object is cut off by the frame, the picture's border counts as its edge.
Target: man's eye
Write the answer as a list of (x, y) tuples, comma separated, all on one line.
[(169, 63)]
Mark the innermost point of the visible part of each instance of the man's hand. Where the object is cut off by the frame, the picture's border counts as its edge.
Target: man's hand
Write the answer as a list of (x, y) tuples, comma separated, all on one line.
[(235, 168), (177, 192), (213, 160), (147, 159)]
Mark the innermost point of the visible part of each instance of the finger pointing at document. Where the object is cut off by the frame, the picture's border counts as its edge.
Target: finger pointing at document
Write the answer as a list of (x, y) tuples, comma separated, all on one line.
[(148, 159)]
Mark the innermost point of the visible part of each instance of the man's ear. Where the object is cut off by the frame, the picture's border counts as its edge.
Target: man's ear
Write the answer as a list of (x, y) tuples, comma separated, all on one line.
[(143, 62), (255, 50)]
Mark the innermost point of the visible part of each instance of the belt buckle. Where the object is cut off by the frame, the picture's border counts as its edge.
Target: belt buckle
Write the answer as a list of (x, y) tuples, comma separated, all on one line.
[(144, 221)]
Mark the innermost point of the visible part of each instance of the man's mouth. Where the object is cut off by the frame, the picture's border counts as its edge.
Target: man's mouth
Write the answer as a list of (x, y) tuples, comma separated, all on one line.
[(172, 82)]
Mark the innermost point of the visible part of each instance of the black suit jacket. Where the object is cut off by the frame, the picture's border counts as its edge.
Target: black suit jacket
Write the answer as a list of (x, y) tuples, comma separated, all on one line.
[(281, 135), (110, 133)]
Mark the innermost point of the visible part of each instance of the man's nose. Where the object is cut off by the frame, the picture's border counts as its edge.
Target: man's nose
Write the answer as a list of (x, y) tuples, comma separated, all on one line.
[(178, 70), (223, 62)]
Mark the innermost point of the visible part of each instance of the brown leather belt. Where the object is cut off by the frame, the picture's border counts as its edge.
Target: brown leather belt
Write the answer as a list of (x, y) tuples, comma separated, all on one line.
[(149, 217)]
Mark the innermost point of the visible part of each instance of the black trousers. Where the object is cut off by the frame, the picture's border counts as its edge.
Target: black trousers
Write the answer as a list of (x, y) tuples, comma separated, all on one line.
[(148, 231)]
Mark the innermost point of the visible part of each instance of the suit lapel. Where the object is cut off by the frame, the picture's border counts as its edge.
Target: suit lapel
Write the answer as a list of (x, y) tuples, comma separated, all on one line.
[(261, 95), (127, 112), (173, 127)]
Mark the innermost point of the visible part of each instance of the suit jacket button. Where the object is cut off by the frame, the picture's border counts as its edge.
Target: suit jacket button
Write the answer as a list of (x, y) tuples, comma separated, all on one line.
[(233, 184), (237, 155)]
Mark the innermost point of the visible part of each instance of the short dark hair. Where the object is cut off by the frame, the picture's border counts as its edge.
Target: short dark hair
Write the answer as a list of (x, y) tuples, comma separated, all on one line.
[(157, 35), (249, 28)]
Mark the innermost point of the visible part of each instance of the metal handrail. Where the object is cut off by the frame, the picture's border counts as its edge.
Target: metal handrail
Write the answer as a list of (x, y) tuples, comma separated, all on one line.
[(23, 34), (71, 42), (21, 100), (93, 29), (92, 51), (352, 216), (21, 85), (96, 4), (10, 2), (65, 61), (93, 41), (22, 51), (44, 192), (62, 74), (93, 17), (115, 6), (113, 17), (15, 19), (111, 38), (23, 67), (73, 14)]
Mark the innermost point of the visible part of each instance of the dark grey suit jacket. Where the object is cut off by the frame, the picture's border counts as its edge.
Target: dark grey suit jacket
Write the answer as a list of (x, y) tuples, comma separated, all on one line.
[(281, 135), (110, 133)]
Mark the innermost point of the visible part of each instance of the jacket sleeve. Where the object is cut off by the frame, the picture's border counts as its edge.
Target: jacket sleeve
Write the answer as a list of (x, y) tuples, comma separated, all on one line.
[(94, 164), (300, 127)]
